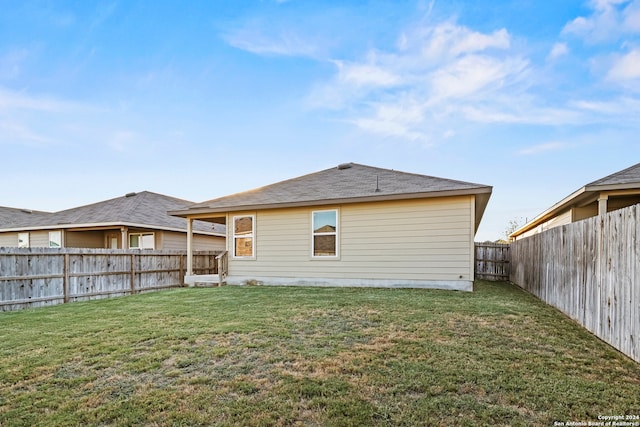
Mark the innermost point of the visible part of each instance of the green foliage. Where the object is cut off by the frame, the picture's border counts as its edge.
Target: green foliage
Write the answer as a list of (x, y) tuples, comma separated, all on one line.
[(262, 356)]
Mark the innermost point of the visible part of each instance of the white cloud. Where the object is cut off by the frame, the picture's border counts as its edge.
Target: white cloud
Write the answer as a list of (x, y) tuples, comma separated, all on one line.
[(631, 17), (447, 40), (395, 120), (610, 19), (419, 89), (626, 67), (616, 108), (365, 74), (472, 74), (14, 100), (283, 44), (442, 76), (558, 50), (254, 39)]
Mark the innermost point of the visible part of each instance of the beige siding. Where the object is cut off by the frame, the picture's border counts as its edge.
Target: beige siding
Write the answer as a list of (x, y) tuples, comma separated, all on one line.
[(173, 241), (585, 212), (84, 239), (9, 239), (558, 220), (39, 239), (409, 240)]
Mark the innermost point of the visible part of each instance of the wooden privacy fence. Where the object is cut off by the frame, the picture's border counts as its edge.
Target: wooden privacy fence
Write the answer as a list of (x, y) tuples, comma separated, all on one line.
[(34, 277), (492, 261), (591, 271)]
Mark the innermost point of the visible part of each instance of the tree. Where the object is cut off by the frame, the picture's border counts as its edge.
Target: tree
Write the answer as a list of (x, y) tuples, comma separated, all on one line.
[(513, 225)]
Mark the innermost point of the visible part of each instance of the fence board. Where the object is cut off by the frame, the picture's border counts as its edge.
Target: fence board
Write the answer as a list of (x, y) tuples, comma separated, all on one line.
[(35, 277), (591, 271)]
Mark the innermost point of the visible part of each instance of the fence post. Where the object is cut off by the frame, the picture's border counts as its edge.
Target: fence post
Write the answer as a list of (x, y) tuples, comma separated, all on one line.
[(133, 274), (65, 278), (182, 262)]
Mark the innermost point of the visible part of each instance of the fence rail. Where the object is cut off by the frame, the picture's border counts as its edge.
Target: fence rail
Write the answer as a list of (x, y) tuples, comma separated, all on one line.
[(492, 261), (35, 277), (591, 271)]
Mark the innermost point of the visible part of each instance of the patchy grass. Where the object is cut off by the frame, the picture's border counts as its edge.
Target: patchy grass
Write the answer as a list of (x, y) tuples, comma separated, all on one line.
[(262, 356)]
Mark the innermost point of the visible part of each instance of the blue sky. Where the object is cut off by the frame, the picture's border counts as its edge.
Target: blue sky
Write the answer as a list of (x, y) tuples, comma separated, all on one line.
[(201, 99)]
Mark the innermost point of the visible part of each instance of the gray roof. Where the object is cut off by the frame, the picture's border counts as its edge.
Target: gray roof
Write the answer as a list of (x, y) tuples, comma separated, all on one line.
[(630, 175), (626, 180), (145, 209), (347, 183), (12, 215)]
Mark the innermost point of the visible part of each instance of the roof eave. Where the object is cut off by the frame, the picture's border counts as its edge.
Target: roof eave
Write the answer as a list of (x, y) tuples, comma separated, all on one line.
[(571, 200), (374, 198), (106, 225), (549, 213)]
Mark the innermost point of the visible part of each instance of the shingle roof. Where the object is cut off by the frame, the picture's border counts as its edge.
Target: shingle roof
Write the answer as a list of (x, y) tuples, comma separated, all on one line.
[(12, 215), (350, 181), (144, 208), (631, 175), (347, 183), (626, 179)]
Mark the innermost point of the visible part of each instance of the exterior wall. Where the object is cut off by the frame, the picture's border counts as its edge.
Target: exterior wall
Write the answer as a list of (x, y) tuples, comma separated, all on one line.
[(37, 239), (562, 219), (391, 243), (84, 239), (178, 241), (585, 212), (9, 239), (40, 239), (164, 240)]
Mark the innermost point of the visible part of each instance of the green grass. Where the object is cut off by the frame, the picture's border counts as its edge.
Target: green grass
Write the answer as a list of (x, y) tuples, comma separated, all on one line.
[(262, 356)]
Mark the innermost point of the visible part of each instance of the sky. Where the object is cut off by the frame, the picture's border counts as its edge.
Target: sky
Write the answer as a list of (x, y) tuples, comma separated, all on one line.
[(205, 98)]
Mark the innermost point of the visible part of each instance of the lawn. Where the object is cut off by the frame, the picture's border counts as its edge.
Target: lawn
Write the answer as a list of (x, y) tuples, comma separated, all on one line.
[(309, 356)]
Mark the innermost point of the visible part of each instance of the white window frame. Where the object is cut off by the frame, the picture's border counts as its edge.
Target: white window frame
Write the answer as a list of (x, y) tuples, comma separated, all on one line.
[(140, 235), (53, 234), (252, 235), (25, 237), (334, 233)]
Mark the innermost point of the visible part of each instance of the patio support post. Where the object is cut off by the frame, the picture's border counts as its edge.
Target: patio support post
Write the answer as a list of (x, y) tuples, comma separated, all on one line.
[(602, 204), (189, 246), (125, 241)]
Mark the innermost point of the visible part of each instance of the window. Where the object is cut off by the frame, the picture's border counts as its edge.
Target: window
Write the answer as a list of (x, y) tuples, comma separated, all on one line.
[(141, 241), (23, 240), (243, 243), (55, 239), (325, 233)]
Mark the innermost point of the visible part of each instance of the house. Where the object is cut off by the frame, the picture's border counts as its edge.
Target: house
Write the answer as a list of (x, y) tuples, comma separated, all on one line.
[(612, 192), (133, 221), (350, 225)]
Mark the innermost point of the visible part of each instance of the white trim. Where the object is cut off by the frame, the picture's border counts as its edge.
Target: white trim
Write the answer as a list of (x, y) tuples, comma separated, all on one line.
[(335, 233), (61, 245), (142, 233), (252, 236), (456, 285), (28, 239)]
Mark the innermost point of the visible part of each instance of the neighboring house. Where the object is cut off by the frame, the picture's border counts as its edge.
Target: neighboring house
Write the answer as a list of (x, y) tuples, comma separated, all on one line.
[(134, 221), (351, 225), (612, 192)]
